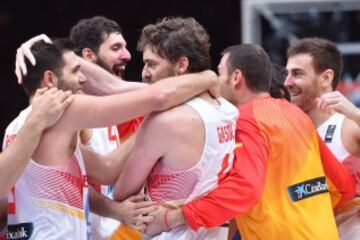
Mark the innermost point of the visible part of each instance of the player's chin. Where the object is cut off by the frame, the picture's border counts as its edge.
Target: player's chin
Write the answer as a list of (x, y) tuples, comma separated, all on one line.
[(119, 70)]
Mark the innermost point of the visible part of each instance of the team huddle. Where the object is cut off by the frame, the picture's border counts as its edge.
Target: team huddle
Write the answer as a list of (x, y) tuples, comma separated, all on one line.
[(254, 151)]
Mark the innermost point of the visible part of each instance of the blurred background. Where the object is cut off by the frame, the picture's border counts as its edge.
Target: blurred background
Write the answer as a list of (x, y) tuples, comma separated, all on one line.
[(270, 23)]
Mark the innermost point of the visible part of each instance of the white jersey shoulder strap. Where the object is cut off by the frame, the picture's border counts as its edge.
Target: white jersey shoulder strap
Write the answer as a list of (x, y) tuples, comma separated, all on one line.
[(330, 133)]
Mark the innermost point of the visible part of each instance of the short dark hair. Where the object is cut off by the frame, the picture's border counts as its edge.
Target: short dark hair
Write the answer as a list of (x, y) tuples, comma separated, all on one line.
[(324, 53), (177, 37), (91, 33), (253, 62), (48, 57)]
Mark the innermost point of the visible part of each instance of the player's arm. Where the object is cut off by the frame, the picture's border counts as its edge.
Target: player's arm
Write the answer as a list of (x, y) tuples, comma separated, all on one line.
[(47, 108), (92, 112), (341, 182), (337, 102), (233, 229), (3, 213), (239, 191), (111, 164), (129, 212), (235, 194), (149, 147), (351, 139), (110, 110), (101, 82)]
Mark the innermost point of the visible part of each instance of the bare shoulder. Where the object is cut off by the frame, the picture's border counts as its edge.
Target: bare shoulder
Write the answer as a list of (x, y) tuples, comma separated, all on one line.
[(350, 135), (174, 119), (179, 113), (72, 113), (179, 129), (350, 128)]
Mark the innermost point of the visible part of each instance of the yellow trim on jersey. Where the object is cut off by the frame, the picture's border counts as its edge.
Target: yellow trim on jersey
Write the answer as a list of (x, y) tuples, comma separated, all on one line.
[(61, 207), (125, 233), (237, 145)]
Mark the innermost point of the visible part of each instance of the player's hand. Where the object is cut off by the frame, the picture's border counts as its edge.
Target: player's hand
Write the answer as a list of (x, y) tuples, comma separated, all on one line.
[(24, 51), (335, 102), (134, 212), (48, 105), (157, 225), (214, 91)]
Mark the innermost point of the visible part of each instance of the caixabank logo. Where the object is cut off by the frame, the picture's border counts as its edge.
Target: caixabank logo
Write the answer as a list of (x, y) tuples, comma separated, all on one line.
[(22, 231), (307, 189)]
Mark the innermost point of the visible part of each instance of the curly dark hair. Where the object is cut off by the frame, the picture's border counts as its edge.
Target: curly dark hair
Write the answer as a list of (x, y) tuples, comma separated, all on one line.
[(177, 37), (91, 33)]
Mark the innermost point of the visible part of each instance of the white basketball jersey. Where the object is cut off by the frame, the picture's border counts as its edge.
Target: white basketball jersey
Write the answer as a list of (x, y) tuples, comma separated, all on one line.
[(48, 202), (183, 186), (330, 131), (103, 141)]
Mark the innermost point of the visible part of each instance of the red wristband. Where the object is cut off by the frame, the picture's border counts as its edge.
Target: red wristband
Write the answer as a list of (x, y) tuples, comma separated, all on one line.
[(166, 223)]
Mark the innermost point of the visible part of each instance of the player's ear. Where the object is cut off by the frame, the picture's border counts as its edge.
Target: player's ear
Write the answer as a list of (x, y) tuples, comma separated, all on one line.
[(49, 79), (181, 66), (88, 54)]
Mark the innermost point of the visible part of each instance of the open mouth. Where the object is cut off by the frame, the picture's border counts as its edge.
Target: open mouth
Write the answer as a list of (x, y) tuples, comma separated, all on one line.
[(294, 96), (294, 92), (119, 69)]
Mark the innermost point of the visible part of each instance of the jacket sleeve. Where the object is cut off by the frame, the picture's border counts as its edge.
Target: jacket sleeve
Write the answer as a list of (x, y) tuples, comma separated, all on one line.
[(341, 182), (242, 188)]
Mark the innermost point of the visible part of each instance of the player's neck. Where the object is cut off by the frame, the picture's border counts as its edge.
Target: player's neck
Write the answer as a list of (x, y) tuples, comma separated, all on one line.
[(248, 96)]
